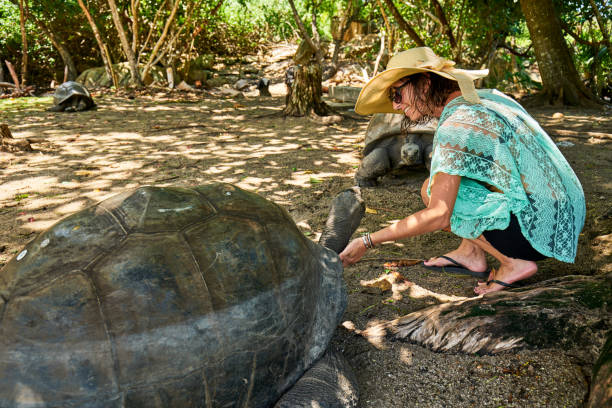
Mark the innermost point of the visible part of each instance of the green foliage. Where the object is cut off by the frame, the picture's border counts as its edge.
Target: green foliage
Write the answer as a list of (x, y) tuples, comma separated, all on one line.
[(481, 29), (269, 19), (10, 35), (40, 52), (590, 52)]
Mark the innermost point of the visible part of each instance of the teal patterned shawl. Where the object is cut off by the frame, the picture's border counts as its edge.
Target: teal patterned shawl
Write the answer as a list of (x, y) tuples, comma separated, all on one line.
[(497, 143)]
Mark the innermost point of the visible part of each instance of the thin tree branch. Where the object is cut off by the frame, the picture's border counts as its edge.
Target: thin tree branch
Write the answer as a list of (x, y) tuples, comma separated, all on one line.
[(134, 6), (151, 28), (445, 25), (459, 34), (580, 40), (387, 26), (106, 58), (380, 53), (162, 38), (23, 15), (403, 24), (516, 52), (13, 74), (127, 49), (313, 25), (602, 27)]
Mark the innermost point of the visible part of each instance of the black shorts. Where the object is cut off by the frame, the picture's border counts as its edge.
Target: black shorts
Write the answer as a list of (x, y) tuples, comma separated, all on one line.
[(512, 243)]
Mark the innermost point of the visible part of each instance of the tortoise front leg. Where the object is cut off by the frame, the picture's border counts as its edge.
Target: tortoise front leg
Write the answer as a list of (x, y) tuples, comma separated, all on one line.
[(374, 165)]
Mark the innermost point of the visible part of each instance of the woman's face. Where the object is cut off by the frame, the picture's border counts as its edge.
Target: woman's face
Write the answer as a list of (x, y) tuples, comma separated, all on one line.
[(410, 104)]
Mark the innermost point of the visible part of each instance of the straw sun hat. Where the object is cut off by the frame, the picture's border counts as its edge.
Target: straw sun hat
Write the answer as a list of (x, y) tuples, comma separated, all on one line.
[(374, 97)]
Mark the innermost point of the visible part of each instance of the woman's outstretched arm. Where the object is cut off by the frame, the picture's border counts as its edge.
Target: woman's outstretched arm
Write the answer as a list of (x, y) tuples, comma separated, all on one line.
[(433, 218)]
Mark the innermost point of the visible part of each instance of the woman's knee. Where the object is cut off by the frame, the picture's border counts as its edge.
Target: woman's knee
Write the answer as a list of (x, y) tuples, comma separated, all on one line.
[(424, 195)]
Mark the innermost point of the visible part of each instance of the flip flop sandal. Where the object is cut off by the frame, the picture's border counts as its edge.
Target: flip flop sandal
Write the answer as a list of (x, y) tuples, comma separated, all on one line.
[(505, 284), (456, 268)]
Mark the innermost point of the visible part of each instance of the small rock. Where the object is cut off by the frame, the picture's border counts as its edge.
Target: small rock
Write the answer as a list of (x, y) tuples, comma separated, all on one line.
[(249, 69), (184, 86), (242, 85), (230, 92), (565, 143)]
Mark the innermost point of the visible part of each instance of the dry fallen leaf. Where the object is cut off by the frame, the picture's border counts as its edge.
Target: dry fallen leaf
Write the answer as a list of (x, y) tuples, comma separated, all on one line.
[(398, 263), (380, 283), (371, 211), (393, 281)]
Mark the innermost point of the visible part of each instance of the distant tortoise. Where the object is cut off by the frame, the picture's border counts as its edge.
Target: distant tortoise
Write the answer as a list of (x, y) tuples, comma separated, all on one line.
[(387, 148), (173, 297), (71, 97)]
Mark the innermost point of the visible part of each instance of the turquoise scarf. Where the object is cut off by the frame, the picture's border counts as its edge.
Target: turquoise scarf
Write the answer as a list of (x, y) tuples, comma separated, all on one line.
[(497, 143)]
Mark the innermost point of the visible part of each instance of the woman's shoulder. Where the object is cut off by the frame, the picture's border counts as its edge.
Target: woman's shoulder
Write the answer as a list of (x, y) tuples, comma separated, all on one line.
[(459, 110)]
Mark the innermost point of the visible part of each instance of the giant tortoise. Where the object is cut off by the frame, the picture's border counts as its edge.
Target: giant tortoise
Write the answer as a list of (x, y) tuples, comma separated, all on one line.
[(71, 97), (172, 297), (390, 149)]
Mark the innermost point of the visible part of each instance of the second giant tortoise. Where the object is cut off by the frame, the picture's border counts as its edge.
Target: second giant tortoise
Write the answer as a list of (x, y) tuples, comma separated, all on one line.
[(172, 297), (388, 148), (71, 97)]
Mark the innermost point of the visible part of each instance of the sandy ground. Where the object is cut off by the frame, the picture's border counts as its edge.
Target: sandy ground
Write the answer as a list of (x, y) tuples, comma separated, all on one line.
[(178, 138)]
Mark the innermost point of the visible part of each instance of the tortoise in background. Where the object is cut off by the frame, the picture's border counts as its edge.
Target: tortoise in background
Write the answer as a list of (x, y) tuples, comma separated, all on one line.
[(388, 149), (172, 297), (71, 97)]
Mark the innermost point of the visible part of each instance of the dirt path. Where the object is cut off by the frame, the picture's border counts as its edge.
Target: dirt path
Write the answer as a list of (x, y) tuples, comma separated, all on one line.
[(194, 138)]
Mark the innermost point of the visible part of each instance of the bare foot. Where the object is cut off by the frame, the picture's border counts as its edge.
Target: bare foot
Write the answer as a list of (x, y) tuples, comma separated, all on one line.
[(467, 254), (513, 271)]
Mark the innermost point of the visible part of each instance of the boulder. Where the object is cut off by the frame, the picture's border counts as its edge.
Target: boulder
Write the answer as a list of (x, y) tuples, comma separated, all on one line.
[(96, 77)]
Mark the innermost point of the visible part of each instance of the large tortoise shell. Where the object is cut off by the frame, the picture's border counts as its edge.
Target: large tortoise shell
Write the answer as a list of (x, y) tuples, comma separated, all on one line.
[(69, 89), (166, 297)]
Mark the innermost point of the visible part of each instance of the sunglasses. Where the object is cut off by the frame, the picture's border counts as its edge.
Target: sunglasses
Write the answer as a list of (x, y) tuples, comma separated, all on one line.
[(395, 93)]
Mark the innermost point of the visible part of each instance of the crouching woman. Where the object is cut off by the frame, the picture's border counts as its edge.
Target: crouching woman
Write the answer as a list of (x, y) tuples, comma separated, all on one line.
[(497, 180)]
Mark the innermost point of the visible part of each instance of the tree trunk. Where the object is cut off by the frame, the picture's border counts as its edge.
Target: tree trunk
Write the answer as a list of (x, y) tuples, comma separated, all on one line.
[(305, 94), (125, 45), (571, 312), (10, 144), (134, 5), (108, 65), (601, 385), (11, 69), (24, 42), (560, 79), (304, 33), (568, 313)]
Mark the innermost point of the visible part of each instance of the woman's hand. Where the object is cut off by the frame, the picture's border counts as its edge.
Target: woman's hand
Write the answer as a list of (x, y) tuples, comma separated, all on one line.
[(353, 252)]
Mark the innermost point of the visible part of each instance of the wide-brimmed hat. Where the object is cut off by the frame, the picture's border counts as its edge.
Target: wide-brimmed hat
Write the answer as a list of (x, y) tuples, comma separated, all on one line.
[(374, 97)]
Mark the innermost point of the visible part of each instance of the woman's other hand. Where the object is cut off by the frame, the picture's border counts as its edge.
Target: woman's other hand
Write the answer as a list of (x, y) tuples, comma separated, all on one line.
[(353, 252)]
